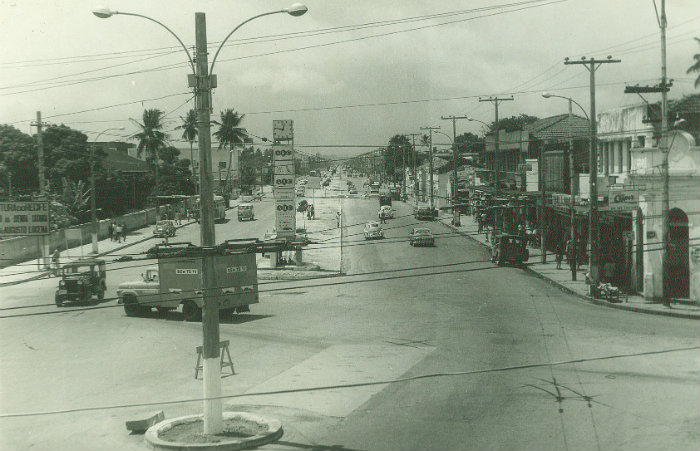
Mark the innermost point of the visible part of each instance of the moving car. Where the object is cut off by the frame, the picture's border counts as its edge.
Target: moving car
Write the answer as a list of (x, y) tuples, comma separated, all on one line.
[(373, 230), (385, 212), (421, 237), (425, 213), (245, 211), (80, 280), (509, 249), (164, 229)]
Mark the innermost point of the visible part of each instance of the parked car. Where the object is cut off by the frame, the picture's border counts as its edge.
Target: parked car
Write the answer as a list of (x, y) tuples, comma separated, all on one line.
[(353, 190), (245, 211), (164, 229), (421, 237), (373, 230), (425, 213), (80, 280), (385, 212), (247, 198)]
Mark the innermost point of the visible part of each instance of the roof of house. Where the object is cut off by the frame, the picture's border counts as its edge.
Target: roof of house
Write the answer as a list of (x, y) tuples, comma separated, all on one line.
[(557, 127), (119, 161)]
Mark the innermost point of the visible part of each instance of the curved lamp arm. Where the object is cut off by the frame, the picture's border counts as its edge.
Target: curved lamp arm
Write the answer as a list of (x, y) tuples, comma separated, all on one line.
[(444, 134), (105, 13), (211, 70), (547, 95)]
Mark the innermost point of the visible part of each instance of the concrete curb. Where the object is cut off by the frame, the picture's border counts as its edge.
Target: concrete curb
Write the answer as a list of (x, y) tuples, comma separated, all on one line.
[(590, 299), (274, 432)]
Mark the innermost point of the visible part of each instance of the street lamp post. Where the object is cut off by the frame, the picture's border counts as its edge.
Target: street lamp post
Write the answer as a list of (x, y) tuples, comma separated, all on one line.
[(202, 81), (93, 208), (572, 168)]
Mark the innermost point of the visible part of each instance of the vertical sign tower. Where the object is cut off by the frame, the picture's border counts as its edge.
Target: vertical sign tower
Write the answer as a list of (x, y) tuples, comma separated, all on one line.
[(284, 179)]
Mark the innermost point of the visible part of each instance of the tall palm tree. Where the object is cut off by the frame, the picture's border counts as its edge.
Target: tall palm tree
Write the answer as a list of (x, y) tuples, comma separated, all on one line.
[(189, 133), (151, 138), (696, 66), (230, 133)]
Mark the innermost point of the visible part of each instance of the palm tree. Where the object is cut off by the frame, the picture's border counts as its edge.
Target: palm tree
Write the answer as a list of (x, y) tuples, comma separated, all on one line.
[(230, 133), (696, 66), (189, 133), (151, 138)]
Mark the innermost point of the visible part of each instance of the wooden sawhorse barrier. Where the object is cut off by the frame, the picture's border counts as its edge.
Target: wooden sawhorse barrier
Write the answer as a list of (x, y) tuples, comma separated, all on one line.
[(223, 348)]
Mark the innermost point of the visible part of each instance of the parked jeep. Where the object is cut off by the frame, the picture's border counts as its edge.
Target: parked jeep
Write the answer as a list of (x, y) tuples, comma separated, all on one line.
[(81, 280)]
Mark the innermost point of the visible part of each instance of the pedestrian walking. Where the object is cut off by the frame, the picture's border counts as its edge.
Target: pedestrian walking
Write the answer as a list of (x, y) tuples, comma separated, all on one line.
[(337, 219), (118, 232), (55, 263), (559, 254), (111, 231), (124, 231)]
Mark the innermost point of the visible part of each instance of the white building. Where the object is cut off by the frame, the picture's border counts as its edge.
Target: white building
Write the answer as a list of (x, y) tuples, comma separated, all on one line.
[(684, 216)]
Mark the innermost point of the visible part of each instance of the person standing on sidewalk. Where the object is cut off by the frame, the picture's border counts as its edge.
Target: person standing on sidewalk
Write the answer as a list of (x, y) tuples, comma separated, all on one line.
[(55, 263), (118, 232), (559, 254), (111, 231), (124, 231)]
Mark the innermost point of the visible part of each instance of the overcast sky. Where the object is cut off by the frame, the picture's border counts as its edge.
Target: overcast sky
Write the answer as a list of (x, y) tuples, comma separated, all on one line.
[(349, 73)]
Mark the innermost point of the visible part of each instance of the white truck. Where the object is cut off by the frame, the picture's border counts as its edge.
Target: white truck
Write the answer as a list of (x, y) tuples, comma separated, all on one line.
[(177, 281)]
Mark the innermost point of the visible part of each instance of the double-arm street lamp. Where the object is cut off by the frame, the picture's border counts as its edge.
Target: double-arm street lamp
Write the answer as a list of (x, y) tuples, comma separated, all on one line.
[(202, 80), (93, 208), (572, 174)]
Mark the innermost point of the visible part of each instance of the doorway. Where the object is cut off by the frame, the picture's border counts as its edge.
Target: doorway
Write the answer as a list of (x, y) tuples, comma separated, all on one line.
[(678, 265)]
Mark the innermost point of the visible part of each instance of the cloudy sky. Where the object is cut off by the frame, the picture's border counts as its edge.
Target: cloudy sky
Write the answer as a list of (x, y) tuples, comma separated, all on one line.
[(350, 74)]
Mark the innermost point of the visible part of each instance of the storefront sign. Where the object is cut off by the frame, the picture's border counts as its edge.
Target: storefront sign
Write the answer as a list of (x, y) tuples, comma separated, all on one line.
[(24, 218), (622, 200)]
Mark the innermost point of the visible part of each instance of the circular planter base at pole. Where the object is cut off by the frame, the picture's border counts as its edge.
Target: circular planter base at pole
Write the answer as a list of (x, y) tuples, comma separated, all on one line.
[(242, 430)]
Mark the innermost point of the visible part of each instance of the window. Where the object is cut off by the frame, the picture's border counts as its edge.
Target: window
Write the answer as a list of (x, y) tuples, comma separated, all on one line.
[(222, 165), (640, 141)]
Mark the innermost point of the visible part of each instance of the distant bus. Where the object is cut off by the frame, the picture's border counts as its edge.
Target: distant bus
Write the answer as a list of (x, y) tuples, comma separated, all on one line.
[(219, 209), (314, 173)]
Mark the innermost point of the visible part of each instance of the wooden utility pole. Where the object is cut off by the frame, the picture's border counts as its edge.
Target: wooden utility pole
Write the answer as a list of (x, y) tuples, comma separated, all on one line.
[(430, 157), (455, 210), (413, 160), (203, 83), (496, 155), (592, 64), (45, 243)]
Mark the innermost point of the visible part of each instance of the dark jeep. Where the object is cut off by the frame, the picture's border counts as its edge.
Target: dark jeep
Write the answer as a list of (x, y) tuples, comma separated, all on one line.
[(80, 280)]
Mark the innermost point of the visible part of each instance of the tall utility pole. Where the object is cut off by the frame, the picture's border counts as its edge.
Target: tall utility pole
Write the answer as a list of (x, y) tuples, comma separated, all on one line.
[(413, 160), (665, 205), (213, 412), (45, 243), (496, 155), (593, 226), (455, 210), (572, 194), (430, 157)]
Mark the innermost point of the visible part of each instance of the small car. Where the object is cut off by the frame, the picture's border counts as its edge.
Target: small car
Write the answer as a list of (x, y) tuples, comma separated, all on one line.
[(245, 211), (353, 190), (373, 230), (80, 280), (258, 196), (164, 229), (247, 198), (421, 237), (385, 212), (425, 213)]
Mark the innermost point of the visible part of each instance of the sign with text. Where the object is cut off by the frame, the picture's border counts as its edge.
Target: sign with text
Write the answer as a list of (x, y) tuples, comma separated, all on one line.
[(24, 218), (284, 193), (622, 200), (282, 130), (286, 216), (282, 153)]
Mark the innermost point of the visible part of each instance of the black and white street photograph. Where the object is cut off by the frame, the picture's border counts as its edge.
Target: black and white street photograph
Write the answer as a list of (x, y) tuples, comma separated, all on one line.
[(322, 225)]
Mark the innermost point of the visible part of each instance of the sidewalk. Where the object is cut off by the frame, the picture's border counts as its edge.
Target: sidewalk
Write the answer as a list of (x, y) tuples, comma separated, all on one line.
[(33, 269), (562, 277)]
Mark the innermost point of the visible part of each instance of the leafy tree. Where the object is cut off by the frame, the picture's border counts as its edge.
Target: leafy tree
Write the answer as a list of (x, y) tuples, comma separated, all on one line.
[(399, 148), (151, 139), (189, 130), (75, 197), (230, 133), (696, 66), (66, 155), (18, 160), (513, 123), (469, 142), (176, 177)]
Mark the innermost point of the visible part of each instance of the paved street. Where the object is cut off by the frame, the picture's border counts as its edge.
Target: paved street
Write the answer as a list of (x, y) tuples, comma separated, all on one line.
[(452, 318)]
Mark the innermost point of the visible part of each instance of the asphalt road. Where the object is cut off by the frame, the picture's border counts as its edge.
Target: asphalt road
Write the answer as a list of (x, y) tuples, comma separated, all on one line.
[(457, 319)]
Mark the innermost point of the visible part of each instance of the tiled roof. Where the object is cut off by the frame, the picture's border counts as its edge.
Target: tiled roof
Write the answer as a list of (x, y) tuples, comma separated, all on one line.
[(119, 161)]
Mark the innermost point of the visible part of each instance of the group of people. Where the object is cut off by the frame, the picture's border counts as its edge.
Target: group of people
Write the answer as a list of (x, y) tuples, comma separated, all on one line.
[(117, 231), (569, 250)]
